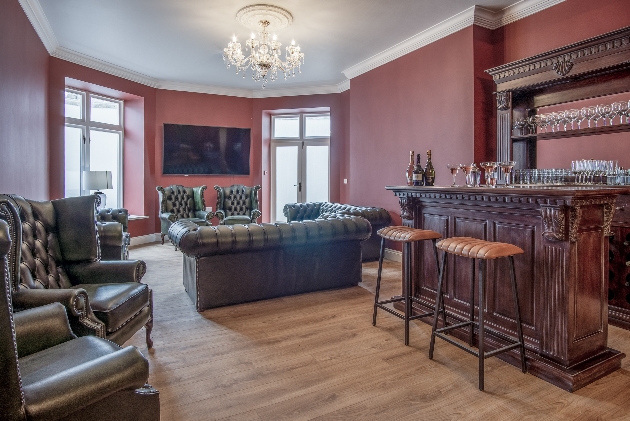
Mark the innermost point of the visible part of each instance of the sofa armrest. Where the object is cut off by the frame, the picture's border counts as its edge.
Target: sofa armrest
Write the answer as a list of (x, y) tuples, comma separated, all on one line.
[(205, 215), (57, 396), (106, 271), (41, 328)]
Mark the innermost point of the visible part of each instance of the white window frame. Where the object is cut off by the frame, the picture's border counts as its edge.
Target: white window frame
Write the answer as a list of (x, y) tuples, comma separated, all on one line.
[(301, 141), (85, 124)]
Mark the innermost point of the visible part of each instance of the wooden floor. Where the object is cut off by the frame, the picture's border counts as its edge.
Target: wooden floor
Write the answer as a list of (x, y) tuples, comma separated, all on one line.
[(317, 356)]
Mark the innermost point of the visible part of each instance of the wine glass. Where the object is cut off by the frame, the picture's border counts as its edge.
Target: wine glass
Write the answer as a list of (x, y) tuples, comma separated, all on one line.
[(593, 115), (621, 109), (507, 170), (454, 168), (584, 115), (468, 170), (489, 168), (573, 116)]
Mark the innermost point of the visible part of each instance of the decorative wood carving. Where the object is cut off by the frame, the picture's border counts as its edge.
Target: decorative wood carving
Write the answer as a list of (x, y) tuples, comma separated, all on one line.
[(554, 322), (554, 226), (563, 66), (504, 100), (406, 207)]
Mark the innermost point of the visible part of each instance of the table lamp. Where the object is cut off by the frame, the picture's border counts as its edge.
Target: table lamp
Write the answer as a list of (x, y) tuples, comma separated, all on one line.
[(97, 180)]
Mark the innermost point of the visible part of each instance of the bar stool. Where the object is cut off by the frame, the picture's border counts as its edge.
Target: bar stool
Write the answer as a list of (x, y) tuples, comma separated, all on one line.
[(478, 250), (405, 235)]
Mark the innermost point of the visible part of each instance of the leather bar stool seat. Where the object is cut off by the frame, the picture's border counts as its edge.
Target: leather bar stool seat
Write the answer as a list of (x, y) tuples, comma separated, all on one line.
[(477, 250), (407, 236)]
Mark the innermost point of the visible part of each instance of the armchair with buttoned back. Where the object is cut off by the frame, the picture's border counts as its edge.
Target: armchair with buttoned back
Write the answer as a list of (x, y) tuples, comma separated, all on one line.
[(179, 202), (112, 233), (56, 258), (237, 204), (49, 374)]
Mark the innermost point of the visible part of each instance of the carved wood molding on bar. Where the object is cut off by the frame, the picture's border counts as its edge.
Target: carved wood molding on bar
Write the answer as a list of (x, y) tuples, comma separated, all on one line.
[(575, 214), (504, 100), (406, 207), (554, 223), (564, 59)]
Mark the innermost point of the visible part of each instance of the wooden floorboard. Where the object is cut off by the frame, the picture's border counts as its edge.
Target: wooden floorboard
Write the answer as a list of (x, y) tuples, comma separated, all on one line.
[(317, 357)]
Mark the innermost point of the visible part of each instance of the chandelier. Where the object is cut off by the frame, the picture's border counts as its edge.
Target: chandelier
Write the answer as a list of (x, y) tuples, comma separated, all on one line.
[(264, 58)]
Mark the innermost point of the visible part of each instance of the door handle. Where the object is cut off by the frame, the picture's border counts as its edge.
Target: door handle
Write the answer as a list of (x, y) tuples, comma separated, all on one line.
[(300, 187)]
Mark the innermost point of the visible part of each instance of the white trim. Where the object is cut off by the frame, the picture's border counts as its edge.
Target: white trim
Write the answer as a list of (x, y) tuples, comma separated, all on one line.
[(36, 16), (136, 217), (474, 15), (393, 255), (145, 239)]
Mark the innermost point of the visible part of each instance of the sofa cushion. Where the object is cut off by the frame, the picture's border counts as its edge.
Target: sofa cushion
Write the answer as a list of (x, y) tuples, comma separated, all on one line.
[(115, 304)]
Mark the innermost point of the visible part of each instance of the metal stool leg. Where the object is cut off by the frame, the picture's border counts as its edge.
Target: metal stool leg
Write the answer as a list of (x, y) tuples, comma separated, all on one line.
[(519, 328), (482, 282), (439, 304), (437, 266), (378, 280)]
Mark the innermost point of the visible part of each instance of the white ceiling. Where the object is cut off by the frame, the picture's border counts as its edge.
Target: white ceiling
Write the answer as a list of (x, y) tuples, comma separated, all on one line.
[(172, 43)]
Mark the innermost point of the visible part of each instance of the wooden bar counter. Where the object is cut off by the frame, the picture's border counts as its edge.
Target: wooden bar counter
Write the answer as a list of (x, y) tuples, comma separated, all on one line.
[(562, 276)]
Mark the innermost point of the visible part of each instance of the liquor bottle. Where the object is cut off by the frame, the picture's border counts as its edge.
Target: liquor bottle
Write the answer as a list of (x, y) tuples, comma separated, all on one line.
[(410, 170), (429, 171), (418, 174)]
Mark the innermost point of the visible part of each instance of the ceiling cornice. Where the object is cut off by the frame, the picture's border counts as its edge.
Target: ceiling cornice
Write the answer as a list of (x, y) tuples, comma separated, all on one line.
[(474, 15)]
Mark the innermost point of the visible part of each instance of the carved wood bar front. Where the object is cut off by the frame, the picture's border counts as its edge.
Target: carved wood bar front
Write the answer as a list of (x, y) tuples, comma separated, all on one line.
[(562, 276)]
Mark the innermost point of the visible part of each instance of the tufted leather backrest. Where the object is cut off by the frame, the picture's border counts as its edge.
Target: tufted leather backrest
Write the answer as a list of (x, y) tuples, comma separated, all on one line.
[(302, 211), (177, 200), (325, 210), (197, 241), (237, 199), (120, 215), (54, 232)]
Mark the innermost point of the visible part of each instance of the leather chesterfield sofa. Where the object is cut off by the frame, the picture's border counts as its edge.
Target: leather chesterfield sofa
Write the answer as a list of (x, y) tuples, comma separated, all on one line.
[(378, 217), (232, 264)]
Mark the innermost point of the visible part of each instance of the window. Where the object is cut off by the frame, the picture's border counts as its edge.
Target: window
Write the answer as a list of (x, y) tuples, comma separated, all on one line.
[(300, 160), (93, 142)]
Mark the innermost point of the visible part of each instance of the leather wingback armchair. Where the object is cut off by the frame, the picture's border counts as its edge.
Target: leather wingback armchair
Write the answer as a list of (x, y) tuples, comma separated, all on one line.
[(112, 233), (237, 204), (50, 374), (55, 258), (179, 202)]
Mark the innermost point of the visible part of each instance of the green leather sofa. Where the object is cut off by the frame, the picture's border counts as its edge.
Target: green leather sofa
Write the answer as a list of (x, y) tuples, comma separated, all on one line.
[(232, 264)]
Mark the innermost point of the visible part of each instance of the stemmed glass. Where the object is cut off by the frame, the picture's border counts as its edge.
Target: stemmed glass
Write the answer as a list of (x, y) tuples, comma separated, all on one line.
[(543, 122), (454, 168), (621, 109), (606, 112), (489, 168), (595, 115), (468, 170), (584, 115), (507, 170), (573, 116)]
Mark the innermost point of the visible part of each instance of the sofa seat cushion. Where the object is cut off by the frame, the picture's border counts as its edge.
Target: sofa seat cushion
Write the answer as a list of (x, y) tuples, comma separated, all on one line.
[(65, 356), (237, 219), (115, 304)]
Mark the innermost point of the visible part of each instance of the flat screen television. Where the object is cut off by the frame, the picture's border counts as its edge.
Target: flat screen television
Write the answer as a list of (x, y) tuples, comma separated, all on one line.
[(205, 150)]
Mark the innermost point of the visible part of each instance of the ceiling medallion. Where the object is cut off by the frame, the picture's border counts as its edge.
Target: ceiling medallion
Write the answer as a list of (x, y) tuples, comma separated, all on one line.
[(264, 58)]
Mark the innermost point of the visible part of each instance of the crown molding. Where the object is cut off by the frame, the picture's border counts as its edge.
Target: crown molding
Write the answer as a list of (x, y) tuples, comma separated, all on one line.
[(297, 91), (36, 16), (344, 86), (203, 89), (474, 15)]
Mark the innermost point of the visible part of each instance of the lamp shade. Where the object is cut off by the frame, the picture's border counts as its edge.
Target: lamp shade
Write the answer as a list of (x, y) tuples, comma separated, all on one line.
[(97, 180)]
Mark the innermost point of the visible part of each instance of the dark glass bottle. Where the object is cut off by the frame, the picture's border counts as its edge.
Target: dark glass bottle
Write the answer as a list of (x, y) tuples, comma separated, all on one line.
[(418, 174), (429, 171), (410, 170)]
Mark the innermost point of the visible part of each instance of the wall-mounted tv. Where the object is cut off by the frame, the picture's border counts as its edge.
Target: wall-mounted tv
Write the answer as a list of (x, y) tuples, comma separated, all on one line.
[(205, 150)]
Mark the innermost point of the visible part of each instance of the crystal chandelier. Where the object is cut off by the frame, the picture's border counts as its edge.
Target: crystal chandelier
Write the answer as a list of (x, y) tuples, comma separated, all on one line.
[(265, 52)]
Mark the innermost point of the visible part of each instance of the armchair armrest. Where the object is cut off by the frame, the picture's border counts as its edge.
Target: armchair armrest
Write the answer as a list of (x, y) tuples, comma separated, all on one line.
[(40, 328), (256, 214), (199, 201), (75, 301), (106, 271), (110, 234), (167, 216), (220, 214), (205, 215), (57, 396)]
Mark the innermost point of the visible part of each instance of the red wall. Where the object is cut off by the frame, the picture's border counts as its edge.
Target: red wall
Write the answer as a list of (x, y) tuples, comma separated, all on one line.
[(421, 101), (204, 110), (23, 107)]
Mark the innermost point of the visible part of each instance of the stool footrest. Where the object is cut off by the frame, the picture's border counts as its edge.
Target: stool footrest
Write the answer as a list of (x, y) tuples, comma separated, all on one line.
[(501, 350), (473, 351), (402, 315), (451, 327)]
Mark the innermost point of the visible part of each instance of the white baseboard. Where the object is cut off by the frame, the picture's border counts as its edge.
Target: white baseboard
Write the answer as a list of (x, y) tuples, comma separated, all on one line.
[(394, 255), (145, 239)]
